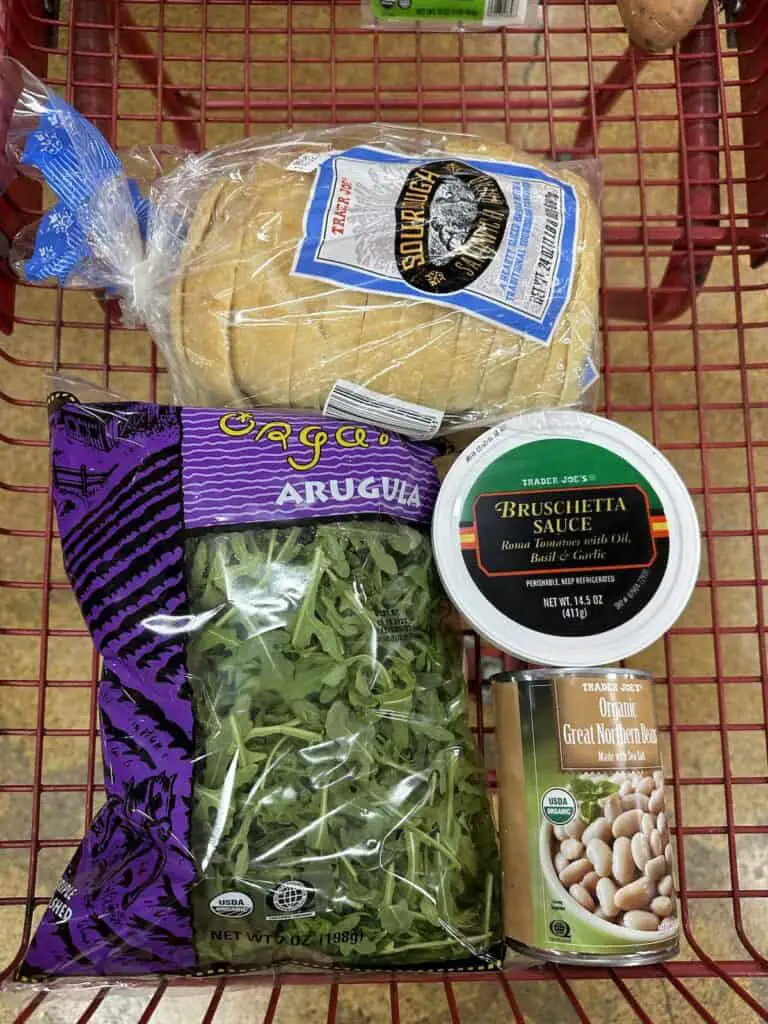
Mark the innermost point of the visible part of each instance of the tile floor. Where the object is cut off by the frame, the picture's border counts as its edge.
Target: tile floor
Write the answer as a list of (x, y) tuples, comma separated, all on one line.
[(661, 405)]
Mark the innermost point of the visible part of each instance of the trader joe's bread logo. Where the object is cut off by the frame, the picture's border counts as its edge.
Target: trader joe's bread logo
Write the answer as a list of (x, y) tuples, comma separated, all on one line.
[(450, 220)]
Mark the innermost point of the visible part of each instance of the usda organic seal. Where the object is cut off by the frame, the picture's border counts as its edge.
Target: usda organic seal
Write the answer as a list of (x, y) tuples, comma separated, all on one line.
[(231, 904), (558, 806)]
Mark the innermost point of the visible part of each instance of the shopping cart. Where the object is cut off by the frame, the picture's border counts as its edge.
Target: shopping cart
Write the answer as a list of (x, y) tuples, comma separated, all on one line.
[(683, 140)]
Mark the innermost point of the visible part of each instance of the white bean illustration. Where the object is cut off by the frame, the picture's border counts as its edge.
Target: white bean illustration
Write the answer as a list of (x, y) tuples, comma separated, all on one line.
[(589, 881), (572, 849), (582, 896), (623, 864), (656, 842), (656, 801), (641, 920), (636, 895), (606, 890), (627, 823), (612, 808), (575, 828), (666, 886), (656, 869), (575, 871), (641, 850), (601, 856), (599, 829), (636, 800), (619, 866), (663, 906)]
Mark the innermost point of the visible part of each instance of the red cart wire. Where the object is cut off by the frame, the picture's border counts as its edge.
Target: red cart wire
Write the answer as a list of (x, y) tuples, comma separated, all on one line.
[(683, 142)]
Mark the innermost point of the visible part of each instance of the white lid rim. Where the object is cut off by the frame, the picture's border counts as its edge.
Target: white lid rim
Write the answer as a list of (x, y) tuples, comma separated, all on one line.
[(660, 611)]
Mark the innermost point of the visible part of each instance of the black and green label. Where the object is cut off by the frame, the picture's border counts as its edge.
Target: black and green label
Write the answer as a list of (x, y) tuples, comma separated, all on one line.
[(450, 221), (565, 537)]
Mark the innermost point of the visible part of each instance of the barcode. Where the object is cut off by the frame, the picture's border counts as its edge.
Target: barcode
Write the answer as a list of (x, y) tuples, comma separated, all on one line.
[(505, 12), (351, 400), (502, 8)]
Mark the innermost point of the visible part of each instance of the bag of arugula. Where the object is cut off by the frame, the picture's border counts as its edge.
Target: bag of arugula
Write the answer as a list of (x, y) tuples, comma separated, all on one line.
[(288, 766)]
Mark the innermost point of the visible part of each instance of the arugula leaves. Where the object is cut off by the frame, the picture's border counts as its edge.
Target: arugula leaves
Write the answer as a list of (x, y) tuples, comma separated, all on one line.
[(333, 750)]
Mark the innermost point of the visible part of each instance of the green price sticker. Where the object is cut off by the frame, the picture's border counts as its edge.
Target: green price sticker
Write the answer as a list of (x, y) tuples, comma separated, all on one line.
[(509, 12)]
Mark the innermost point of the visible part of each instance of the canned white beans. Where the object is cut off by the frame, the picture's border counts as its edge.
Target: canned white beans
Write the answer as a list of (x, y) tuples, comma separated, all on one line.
[(582, 815)]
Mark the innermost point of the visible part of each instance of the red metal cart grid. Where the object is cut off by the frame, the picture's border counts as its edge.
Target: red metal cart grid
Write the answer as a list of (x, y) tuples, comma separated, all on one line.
[(683, 143)]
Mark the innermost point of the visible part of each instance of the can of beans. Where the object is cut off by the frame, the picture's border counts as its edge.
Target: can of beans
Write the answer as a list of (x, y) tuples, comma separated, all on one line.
[(588, 863)]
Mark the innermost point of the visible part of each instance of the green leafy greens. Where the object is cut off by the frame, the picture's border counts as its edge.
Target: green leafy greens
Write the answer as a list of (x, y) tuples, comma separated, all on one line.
[(333, 752)]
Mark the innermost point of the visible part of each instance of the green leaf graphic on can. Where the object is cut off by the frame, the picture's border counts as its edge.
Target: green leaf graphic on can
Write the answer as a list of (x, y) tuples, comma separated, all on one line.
[(588, 792)]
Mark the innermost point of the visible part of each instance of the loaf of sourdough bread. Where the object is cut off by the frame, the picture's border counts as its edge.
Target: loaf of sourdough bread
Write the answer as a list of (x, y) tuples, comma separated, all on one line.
[(248, 329)]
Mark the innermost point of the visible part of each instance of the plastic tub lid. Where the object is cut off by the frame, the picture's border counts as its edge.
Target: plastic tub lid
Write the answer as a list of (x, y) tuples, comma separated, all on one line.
[(566, 539)]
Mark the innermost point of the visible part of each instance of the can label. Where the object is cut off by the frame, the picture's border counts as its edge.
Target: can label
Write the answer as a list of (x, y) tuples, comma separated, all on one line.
[(603, 724), (583, 815)]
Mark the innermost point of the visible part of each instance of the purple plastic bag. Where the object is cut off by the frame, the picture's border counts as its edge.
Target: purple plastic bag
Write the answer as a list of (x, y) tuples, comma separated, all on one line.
[(287, 764)]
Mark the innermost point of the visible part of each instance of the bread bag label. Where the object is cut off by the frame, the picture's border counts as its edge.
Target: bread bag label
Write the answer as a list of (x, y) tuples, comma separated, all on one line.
[(494, 239)]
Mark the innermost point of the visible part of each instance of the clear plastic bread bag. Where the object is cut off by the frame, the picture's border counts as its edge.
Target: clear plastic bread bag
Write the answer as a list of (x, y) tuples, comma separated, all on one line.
[(422, 281)]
